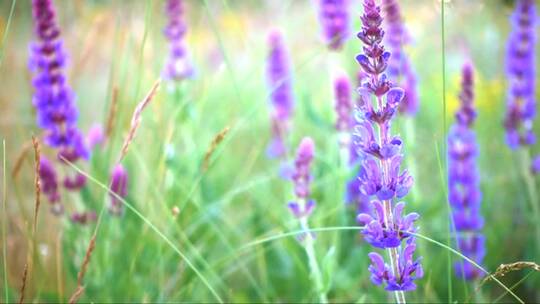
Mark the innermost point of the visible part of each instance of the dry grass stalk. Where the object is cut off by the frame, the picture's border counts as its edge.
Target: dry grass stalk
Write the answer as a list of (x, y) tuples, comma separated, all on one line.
[(20, 159), (76, 295), (86, 261), (136, 118), (37, 182), (111, 118), (23, 285), (503, 269), (213, 145)]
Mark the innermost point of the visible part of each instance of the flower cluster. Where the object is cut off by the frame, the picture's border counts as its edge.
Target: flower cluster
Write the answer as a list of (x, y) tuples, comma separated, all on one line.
[(178, 65), (334, 19), (520, 69), (380, 175), (53, 99), (302, 178), (49, 184), (463, 180), (279, 82), (119, 182), (399, 65)]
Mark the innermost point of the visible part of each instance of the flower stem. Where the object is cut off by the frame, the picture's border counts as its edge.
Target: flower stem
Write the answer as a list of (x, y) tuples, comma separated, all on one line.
[(393, 252), (316, 274), (531, 189)]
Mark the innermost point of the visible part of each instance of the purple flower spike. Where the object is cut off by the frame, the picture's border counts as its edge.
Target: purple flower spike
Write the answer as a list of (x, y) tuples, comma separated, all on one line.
[(399, 65), (119, 182), (520, 69), (463, 180), (475, 249), (343, 105), (281, 97), (53, 99), (178, 65), (301, 175), (49, 181), (535, 166), (380, 176), (409, 270), (75, 183), (334, 19), (377, 232)]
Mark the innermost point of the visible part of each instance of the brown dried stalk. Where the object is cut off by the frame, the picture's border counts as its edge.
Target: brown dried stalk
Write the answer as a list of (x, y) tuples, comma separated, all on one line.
[(76, 295), (23, 286), (37, 182), (111, 118), (86, 260), (503, 269), (213, 145), (80, 276), (136, 118)]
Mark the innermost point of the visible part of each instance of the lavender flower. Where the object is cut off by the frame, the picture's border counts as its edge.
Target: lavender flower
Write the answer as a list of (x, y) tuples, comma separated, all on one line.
[(83, 218), (95, 136), (380, 175), (119, 182), (178, 66), (49, 184), (520, 69), (53, 98), (279, 82), (302, 178), (535, 165), (343, 104), (399, 65), (463, 180), (334, 19)]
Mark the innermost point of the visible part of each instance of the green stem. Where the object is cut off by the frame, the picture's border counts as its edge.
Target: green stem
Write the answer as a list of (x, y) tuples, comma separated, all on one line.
[(312, 258), (531, 190)]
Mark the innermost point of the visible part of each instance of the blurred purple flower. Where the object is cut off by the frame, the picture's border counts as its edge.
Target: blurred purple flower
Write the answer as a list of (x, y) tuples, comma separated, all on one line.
[(301, 178), (119, 183), (53, 98), (472, 246), (49, 184), (343, 104), (282, 100), (463, 179), (83, 218), (399, 65), (535, 166), (334, 19), (380, 175), (520, 69), (95, 136), (178, 65)]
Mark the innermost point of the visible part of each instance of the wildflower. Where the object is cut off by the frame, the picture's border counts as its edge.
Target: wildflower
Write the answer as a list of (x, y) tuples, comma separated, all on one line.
[(380, 175), (119, 182), (343, 106), (178, 65), (520, 69), (282, 100), (49, 184), (95, 136), (463, 180), (399, 65), (83, 218), (53, 98), (334, 19)]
